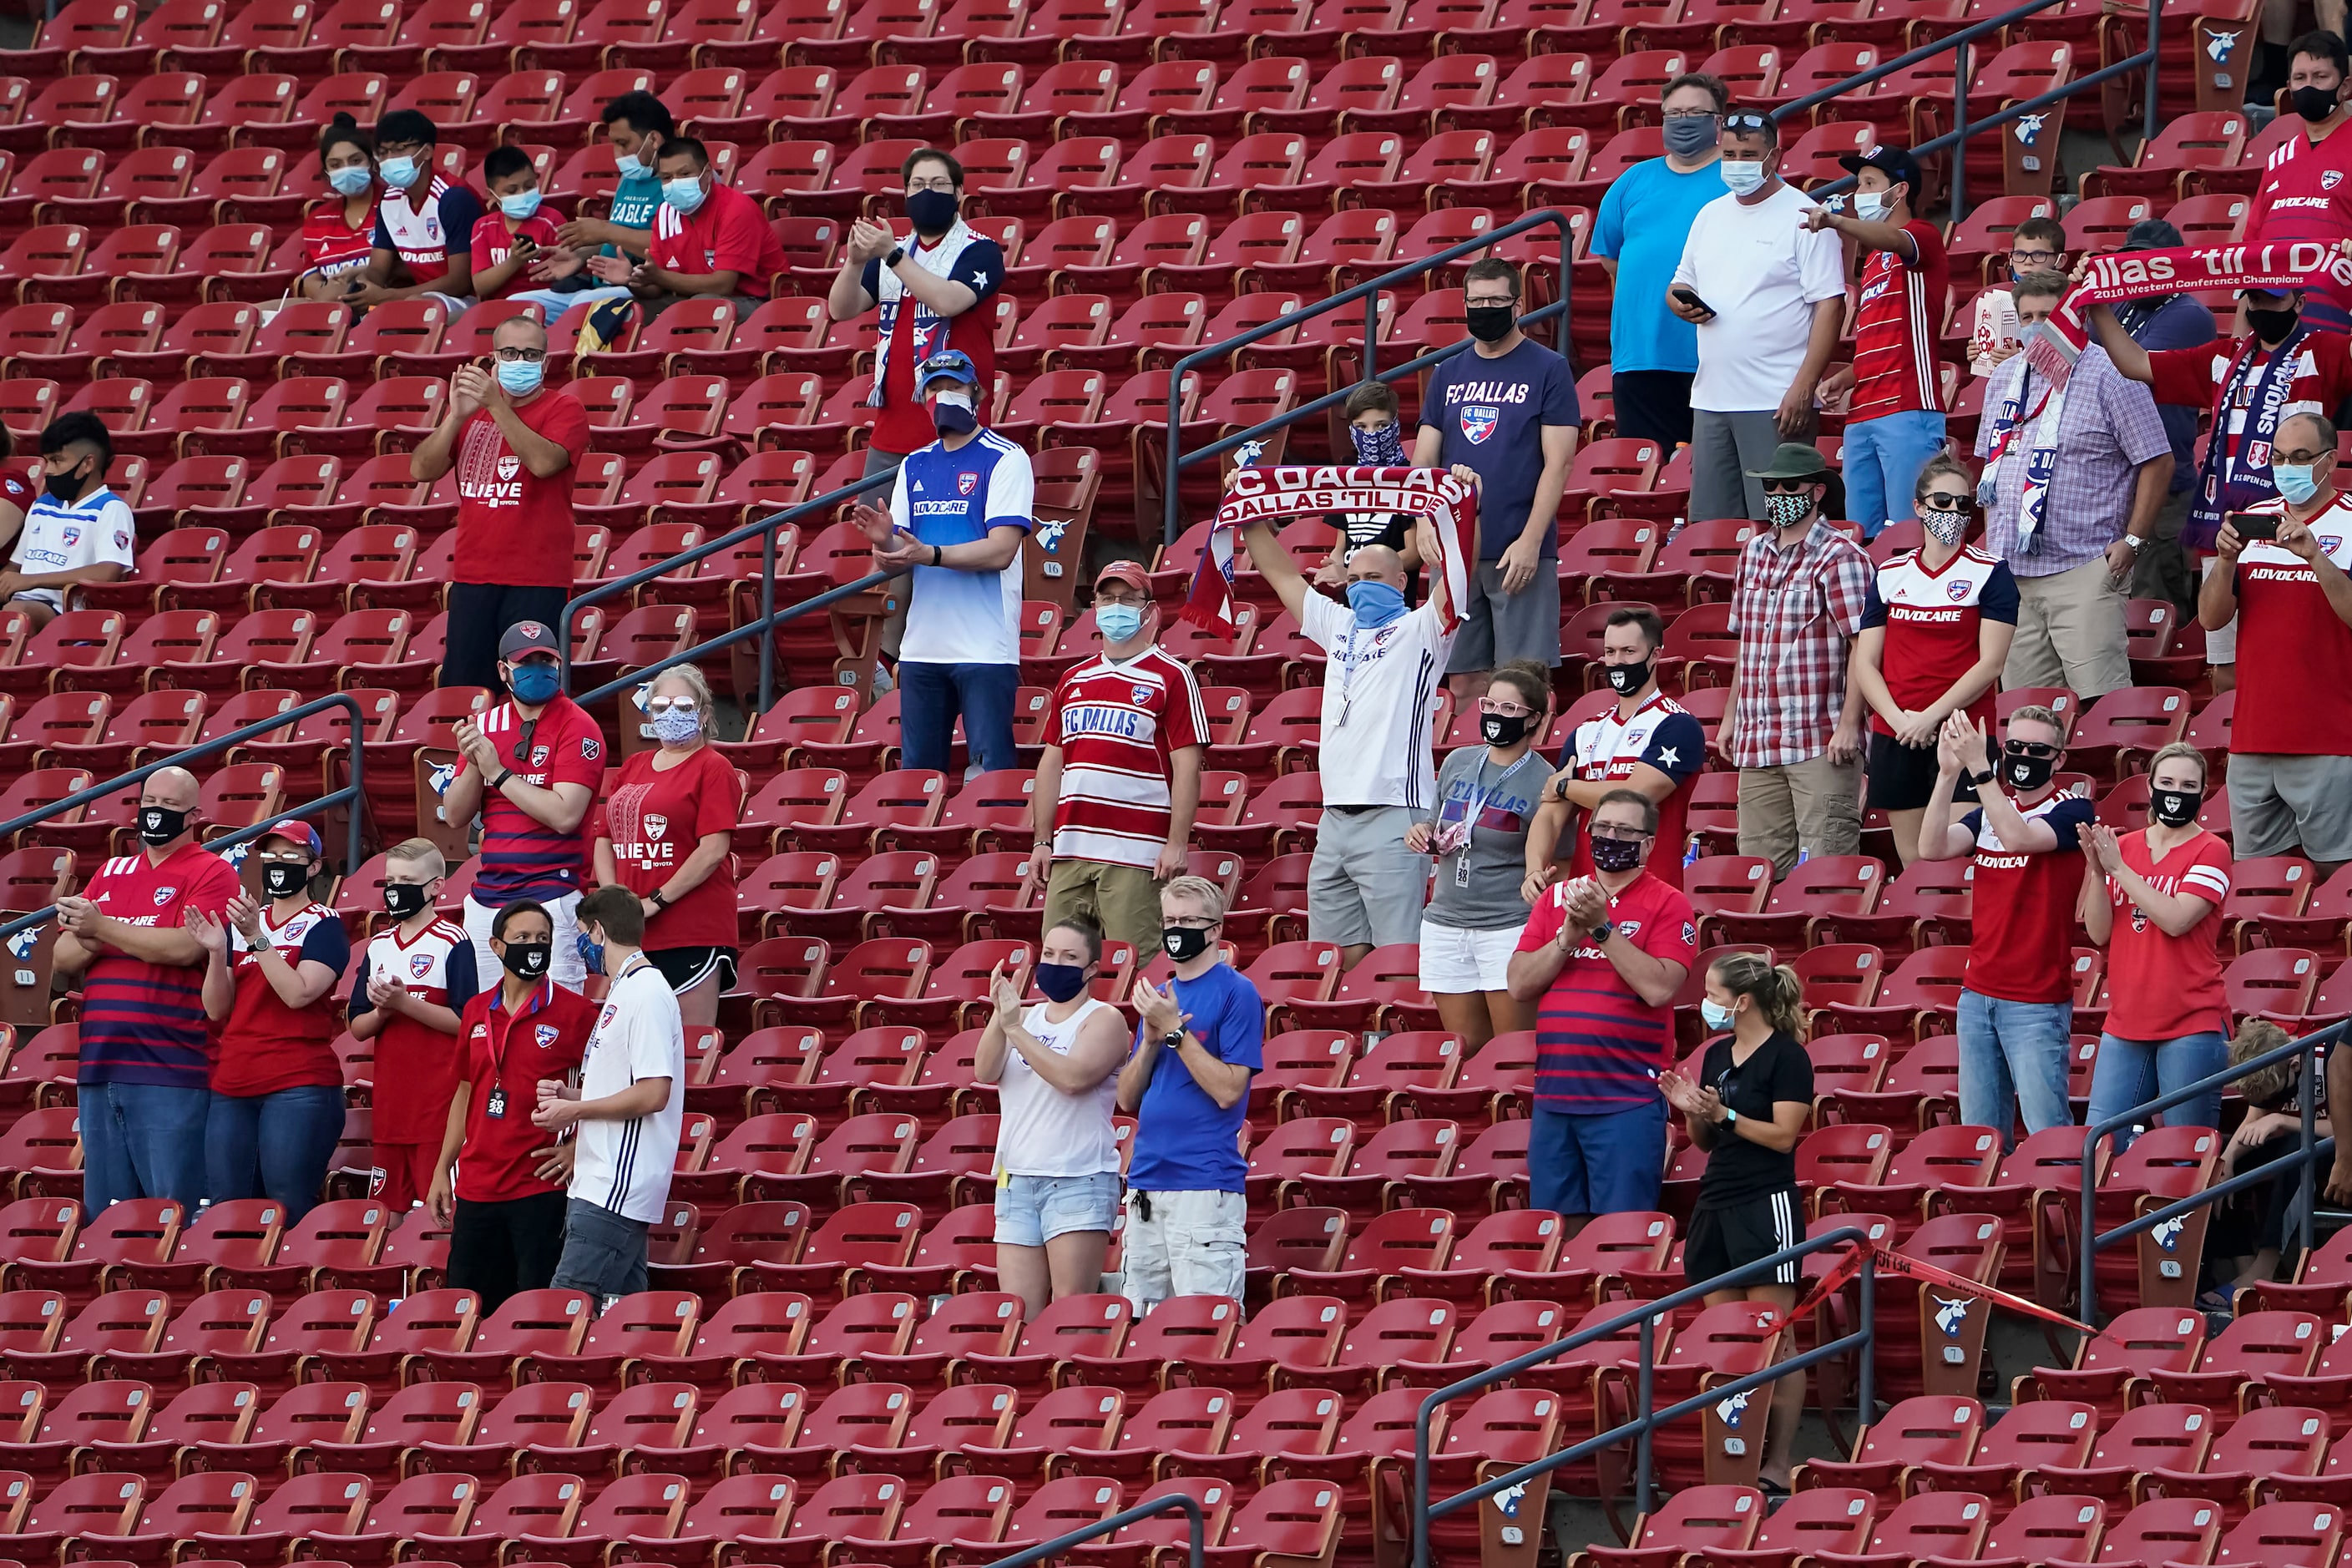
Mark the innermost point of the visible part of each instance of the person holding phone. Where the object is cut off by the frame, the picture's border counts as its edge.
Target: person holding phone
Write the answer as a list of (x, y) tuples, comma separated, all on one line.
[(339, 233), (2290, 743)]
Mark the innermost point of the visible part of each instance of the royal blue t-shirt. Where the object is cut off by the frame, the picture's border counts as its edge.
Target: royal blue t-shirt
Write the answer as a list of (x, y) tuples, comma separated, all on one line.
[(1644, 219), (1491, 412), (1183, 1143)]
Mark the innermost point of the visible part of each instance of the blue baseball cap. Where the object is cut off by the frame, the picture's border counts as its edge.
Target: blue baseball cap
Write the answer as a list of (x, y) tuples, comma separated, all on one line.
[(947, 364)]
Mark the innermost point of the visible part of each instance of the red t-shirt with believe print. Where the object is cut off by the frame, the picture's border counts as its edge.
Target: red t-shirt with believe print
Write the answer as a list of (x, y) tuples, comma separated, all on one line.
[(655, 818), (514, 528), (511, 1049)]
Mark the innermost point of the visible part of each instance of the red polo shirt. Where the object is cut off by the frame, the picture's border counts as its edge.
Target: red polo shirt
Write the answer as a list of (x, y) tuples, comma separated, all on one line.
[(513, 1050)]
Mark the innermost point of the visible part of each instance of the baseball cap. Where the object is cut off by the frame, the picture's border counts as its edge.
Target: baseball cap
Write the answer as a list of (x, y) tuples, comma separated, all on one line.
[(951, 365), (1130, 572), (294, 830), (527, 638), (2153, 234), (1896, 163)]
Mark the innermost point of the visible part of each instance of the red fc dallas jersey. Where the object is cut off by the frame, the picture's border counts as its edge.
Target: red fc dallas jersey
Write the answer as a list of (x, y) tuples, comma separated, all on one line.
[(2296, 699), (2021, 947), (1116, 724), (1932, 619), (2306, 193), (2197, 377), (522, 858), (1895, 328), (415, 1065)]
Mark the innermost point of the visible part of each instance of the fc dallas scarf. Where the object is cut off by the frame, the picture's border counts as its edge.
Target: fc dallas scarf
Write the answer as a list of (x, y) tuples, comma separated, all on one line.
[(2149, 274), (1267, 495)]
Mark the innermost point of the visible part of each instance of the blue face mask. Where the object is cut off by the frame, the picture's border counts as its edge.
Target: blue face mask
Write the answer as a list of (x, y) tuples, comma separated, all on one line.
[(952, 413), (351, 179), (686, 195), (592, 954), (1060, 982), (1119, 622), (1715, 1016), (2295, 481), (520, 378), (629, 164), (1375, 604), (536, 682), (399, 173), (521, 205)]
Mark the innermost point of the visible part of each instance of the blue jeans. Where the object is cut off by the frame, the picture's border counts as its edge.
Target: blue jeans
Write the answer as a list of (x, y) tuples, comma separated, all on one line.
[(2013, 1059), (931, 695), (274, 1146), (2132, 1072), (1608, 1164), (1883, 460), (141, 1140)]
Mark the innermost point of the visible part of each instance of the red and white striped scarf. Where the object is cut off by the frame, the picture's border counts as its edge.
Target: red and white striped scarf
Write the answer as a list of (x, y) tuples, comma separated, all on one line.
[(2125, 276)]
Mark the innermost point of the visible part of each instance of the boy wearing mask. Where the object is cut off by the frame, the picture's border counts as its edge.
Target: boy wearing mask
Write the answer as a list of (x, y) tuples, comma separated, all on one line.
[(418, 977), (1378, 435)]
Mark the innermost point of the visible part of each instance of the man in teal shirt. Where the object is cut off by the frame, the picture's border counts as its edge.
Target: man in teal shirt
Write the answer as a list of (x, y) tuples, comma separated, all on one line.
[(637, 123), (1644, 220)]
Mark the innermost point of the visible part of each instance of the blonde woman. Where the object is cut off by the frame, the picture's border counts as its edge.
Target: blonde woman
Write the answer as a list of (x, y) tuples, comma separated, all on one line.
[(666, 836)]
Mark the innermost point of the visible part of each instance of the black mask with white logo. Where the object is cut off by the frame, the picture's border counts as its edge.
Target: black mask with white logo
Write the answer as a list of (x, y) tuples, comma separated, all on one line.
[(2027, 773), (1183, 944), (2313, 103), (1625, 679), (2174, 807), (284, 878), (158, 825), (1503, 729), (528, 960), (402, 900)]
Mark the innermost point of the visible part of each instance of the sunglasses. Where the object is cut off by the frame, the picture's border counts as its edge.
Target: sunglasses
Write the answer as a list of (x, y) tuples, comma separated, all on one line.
[(1940, 501), (1788, 487), (1744, 120), (2033, 749)]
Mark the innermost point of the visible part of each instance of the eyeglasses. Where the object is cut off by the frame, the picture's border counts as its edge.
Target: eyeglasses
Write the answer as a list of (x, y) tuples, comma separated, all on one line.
[(1195, 922), (1488, 303), (1937, 501), (1788, 487), (1744, 120), (936, 182), (1135, 600), (1689, 114), (522, 356), (1617, 833), (2281, 455), (1506, 710), (399, 149), (2034, 749), (2035, 260)]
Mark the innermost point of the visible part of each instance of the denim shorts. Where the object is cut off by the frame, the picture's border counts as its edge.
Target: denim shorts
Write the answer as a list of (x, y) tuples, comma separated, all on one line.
[(1033, 1210)]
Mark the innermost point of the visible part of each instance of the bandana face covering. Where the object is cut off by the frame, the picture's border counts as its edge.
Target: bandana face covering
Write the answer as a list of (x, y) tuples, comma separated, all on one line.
[(1380, 448)]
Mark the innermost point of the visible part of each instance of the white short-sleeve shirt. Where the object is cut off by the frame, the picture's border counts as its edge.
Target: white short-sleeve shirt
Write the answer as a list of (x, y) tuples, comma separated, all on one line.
[(624, 1166), (1762, 272), (1378, 703)]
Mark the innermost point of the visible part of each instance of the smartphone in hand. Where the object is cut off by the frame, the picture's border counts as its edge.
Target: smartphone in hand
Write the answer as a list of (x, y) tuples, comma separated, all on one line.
[(1683, 291), (2252, 525)]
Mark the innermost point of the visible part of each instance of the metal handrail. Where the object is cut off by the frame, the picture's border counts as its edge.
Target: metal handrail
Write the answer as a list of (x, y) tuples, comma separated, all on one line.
[(1646, 1420), (352, 793), (759, 628), (1196, 1525), (765, 531), (1369, 292), (2313, 1148)]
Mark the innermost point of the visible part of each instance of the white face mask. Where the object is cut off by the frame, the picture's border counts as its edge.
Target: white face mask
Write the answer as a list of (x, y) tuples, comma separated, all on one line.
[(1870, 206), (1743, 175)]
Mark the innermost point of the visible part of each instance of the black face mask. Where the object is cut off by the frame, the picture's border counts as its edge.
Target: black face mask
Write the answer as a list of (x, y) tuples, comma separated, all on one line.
[(2174, 807), (1491, 323), (1183, 944), (282, 880), (527, 960), (1616, 854), (1625, 679), (2313, 103), (1503, 729), (158, 825), (2027, 773), (64, 487), (2271, 326), (932, 211), (402, 900)]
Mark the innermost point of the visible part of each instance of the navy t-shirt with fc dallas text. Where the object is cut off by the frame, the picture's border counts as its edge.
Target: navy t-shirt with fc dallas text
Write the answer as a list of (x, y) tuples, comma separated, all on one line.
[(1491, 414)]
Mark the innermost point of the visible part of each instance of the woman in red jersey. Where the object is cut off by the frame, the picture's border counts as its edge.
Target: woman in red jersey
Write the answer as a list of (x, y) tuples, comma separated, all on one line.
[(339, 232)]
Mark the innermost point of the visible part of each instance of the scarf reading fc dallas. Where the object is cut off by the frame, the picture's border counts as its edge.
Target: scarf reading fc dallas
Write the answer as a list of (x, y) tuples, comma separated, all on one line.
[(1264, 495)]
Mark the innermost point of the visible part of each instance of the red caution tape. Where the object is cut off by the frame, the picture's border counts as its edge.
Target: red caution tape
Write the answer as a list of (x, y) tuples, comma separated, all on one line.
[(1849, 1268)]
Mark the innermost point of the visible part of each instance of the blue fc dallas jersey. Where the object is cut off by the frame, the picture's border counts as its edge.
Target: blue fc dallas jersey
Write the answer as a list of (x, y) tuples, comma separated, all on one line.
[(949, 498)]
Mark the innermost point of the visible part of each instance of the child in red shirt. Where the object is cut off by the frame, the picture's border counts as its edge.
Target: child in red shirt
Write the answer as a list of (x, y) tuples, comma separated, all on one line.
[(510, 242)]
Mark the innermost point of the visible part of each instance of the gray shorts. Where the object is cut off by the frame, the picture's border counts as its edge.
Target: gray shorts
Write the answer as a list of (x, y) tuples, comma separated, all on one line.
[(1363, 885), (603, 1253), (1499, 626), (2278, 803)]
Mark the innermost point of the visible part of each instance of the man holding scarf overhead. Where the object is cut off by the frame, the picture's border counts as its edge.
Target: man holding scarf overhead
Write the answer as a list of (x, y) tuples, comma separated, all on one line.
[(2283, 367), (2075, 471)]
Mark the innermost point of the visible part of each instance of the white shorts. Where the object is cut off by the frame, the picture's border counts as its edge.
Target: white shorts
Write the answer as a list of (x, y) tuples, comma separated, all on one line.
[(1456, 959), (564, 961), (1191, 1245), (2222, 647)]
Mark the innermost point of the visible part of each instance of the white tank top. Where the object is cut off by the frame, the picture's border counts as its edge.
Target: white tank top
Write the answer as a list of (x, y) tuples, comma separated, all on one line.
[(1041, 1131)]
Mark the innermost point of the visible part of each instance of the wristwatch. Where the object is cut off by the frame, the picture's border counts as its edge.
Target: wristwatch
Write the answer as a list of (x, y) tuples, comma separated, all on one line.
[(1603, 931), (658, 898), (1978, 780), (1730, 1117), (1172, 1038), (2135, 540), (898, 254)]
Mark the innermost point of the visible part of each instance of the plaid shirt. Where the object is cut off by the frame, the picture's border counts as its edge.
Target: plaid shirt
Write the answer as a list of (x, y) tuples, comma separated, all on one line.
[(1796, 612), (2107, 429)]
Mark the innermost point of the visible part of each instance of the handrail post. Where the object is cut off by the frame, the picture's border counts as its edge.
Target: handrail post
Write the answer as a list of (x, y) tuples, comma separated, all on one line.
[(2147, 109), (2087, 1300), (1961, 130), (355, 831), (1419, 1501), (1865, 1394), (1371, 335), (2306, 1227), (1644, 1402), (767, 619), (1566, 291)]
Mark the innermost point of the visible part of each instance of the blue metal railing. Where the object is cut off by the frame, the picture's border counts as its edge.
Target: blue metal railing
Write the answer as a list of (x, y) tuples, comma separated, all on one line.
[(352, 794), (1196, 1526), (1646, 1420)]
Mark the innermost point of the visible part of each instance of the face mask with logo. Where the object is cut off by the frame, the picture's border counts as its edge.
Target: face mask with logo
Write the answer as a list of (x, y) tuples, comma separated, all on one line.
[(687, 195), (536, 682), (592, 954), (1491, 323), (351, 179), (1947, 526), (2174, 807), (1714, 1015), (2295, 481), (1119, 622), (527, 960), (403, 899), (1375, 604), (1788, 510), (952, 414), (1688, 135), (1182, 944), (158, 825), (1625, 679), (1060, 982), (1503, 729), (399, 173), (65, 487), (2024, 773), (1615, 854), (674, 726), (284, 878), (521, 378), (2313, 103), (1743, 175), (932, 211), (521, 204)]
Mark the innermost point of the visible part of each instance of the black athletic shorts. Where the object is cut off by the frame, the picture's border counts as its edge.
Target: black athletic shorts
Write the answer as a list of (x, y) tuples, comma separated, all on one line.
[(1903, 778), (1723, 1237), (686, 967)]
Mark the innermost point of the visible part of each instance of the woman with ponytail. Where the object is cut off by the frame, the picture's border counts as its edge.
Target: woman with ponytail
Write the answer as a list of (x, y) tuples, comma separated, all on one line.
[(339, 233), (1747, 1109)]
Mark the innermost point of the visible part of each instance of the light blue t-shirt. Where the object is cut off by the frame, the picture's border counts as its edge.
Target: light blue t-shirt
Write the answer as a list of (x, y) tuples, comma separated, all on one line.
[(634, 201), (1183, 1143), (1644, 219)]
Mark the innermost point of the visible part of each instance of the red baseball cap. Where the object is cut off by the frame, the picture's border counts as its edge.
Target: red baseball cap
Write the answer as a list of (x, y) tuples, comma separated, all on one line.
[(294, 830), (1130, 572)]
